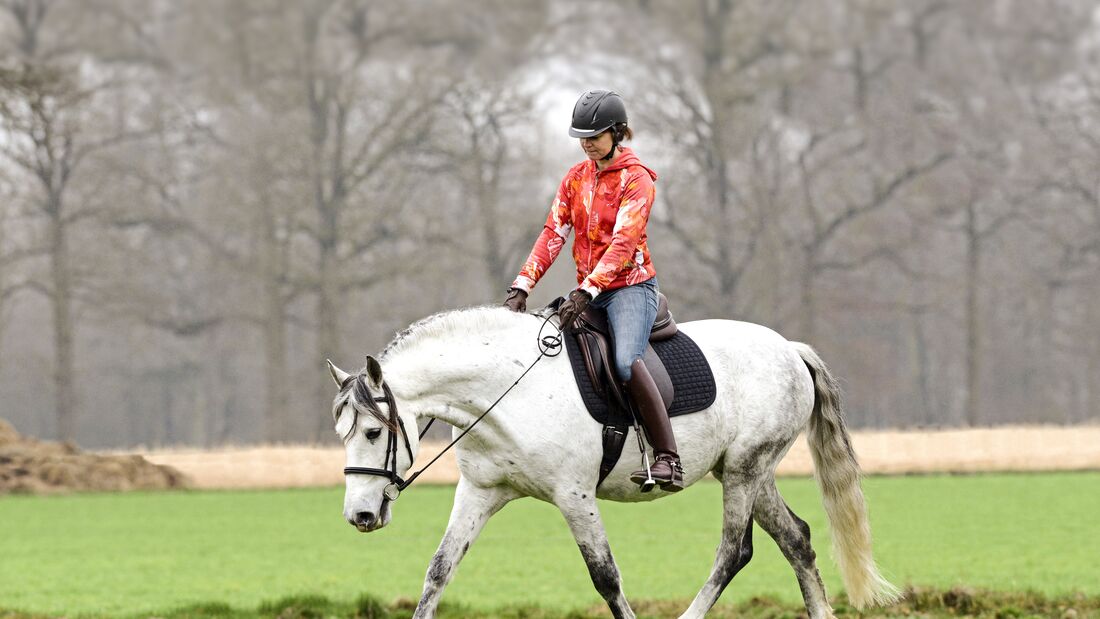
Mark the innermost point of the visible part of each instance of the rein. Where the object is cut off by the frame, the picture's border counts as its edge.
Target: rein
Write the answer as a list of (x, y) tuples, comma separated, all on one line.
[(549, 346)]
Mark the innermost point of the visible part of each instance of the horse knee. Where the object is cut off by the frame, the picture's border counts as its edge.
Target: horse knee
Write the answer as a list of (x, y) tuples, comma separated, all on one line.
[(437, 572), (744, 551), (734, 556), (803, 528), (798, 540), (604, 573)]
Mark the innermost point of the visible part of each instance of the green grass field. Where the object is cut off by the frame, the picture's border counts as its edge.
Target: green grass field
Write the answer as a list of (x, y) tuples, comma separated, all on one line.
[(142, 553)]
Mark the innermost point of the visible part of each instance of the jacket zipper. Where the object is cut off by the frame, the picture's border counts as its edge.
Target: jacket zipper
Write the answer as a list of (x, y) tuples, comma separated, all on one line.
[(588, 219)]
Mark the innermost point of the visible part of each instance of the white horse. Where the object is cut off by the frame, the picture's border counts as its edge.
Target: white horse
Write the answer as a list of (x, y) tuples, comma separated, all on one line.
[(540, 442)]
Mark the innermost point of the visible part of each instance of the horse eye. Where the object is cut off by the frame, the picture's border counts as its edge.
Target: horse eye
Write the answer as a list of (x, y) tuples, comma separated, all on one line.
[(373, 434)]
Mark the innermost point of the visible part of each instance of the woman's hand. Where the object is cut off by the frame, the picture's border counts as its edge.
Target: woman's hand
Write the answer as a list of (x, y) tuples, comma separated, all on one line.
[(516, 301), (573, 306)]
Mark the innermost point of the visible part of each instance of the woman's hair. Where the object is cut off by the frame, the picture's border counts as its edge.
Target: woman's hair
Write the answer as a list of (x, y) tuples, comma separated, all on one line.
[(622, 133)]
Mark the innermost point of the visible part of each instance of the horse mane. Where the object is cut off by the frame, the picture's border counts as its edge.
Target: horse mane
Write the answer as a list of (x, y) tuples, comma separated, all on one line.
[(478, 319)]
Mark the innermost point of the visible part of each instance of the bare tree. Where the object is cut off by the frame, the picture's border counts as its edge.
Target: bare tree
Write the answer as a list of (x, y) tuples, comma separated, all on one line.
[(491, 153), (726, 65)]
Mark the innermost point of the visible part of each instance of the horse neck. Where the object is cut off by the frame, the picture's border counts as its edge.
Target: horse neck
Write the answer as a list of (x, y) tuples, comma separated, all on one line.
[(457, 377)]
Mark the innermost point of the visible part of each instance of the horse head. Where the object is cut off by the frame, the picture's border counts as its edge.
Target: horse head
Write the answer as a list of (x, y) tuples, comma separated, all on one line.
[(378, 450)]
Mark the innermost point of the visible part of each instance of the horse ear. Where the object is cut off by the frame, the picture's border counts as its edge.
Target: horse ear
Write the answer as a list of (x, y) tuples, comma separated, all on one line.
[(338, 375), (374, 372)]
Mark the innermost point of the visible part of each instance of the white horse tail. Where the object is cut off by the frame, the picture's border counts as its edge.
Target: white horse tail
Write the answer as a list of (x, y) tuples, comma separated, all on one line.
[(838, 476)]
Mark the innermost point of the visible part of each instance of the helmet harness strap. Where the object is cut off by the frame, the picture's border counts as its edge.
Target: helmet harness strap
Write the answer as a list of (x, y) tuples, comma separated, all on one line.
[(614, 144)]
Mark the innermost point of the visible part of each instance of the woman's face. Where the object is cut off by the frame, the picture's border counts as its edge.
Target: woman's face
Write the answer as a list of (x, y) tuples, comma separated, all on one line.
[(597, 147)]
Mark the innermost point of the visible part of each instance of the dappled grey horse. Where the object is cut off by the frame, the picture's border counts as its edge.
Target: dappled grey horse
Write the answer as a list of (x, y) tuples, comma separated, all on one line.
[(540, 442)]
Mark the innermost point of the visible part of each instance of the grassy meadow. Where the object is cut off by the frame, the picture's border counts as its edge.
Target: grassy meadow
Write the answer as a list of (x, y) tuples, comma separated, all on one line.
[(151, 553)]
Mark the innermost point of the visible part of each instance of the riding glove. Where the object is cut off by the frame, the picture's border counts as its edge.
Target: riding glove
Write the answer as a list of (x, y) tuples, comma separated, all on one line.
[(517, 300), (573, 306)]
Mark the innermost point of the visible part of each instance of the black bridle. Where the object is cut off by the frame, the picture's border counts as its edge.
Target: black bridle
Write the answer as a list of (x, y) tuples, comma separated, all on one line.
[(389, 467), (549, 346)]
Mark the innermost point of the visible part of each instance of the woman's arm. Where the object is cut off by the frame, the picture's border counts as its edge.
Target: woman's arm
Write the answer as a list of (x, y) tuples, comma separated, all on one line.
[(559, 223)]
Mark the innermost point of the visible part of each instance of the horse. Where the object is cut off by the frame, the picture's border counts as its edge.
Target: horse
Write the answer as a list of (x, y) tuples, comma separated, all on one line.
[(453, 365)]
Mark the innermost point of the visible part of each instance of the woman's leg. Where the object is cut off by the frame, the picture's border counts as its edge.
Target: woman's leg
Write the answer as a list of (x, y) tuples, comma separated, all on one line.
[(630, 313)]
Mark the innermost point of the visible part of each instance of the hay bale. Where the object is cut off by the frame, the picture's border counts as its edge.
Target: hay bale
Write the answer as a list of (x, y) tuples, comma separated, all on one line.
[(28, 466), (8, 435)]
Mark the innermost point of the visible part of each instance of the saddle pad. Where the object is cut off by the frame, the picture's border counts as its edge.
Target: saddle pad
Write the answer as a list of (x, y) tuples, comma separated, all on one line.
[(687, 367)]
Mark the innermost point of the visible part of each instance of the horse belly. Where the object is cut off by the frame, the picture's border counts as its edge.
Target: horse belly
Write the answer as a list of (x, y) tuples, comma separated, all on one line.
[(697, 446), (765, 396)]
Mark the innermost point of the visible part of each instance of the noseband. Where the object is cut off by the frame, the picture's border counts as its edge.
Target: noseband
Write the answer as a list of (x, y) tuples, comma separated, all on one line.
[(389, 467)]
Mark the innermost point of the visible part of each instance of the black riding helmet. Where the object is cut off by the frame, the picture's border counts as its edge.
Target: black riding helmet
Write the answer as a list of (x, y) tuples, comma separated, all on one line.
[(595, 112)]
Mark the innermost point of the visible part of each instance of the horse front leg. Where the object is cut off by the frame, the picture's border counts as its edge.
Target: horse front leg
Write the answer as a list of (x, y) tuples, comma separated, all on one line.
[(472, 508), (583, 517)]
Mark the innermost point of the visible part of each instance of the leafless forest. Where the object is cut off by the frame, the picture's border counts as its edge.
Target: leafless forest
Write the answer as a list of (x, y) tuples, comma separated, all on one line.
[(200, 201)]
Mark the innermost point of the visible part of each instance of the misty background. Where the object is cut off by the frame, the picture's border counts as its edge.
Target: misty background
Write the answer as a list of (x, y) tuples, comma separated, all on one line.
[(201, 201)]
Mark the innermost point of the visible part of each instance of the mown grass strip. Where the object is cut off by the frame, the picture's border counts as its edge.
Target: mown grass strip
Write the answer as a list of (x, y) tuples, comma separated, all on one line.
[(919, 602)]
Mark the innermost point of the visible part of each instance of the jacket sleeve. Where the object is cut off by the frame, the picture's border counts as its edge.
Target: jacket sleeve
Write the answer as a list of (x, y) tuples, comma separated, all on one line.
[(630, 227), (559, 223)]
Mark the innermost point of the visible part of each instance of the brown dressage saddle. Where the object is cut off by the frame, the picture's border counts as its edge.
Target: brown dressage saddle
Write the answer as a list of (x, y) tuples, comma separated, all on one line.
[(681, 372)]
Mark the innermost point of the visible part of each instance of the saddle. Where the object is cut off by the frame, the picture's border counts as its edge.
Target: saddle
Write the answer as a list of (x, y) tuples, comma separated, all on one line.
[(594, 339), (678, 367)]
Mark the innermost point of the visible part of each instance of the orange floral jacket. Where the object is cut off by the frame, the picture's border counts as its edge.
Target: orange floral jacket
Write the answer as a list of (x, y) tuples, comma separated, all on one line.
[(609, 209)]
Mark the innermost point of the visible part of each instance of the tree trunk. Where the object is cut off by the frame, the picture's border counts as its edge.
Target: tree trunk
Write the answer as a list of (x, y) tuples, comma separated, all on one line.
[(1092, 378), (277, 423), (714, 84), (922, 377), (973, 318), (807, 302), (327, 345), (485, 175), (61, 302)]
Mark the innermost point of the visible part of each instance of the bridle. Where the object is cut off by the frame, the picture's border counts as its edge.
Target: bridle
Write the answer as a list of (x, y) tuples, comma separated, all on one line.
[(389, 467), (549, 346)]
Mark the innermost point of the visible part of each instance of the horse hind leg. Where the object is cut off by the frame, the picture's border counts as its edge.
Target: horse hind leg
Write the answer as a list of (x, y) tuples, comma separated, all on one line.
[(792, 535), (735, 549)]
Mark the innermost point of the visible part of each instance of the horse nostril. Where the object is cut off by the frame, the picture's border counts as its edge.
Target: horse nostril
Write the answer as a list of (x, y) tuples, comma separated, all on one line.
[(365, 518)]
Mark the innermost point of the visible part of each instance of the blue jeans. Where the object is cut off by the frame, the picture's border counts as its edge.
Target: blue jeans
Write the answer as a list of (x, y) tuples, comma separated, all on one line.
[(631, 311)]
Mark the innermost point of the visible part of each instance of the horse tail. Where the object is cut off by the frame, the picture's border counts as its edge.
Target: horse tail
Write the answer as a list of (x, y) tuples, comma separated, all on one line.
[(838, 476)]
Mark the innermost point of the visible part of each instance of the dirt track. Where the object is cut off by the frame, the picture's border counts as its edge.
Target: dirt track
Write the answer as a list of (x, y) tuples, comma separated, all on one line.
[(1000, 449)]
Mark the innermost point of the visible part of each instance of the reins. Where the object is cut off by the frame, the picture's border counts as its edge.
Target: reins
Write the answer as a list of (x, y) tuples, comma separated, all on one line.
[(549, 346)]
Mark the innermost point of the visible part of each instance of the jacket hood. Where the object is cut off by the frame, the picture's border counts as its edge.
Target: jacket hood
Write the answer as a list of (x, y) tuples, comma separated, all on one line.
[(627, 159)]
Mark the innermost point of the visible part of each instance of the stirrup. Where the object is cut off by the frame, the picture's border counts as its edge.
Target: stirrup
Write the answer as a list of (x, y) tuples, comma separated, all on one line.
[(647, 483)]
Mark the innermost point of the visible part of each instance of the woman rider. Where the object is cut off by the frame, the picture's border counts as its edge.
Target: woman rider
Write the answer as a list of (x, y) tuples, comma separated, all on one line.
[(607, 199)]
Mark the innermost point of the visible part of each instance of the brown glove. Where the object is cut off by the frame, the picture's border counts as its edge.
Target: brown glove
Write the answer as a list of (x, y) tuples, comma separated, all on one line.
[(517, 300), (573, 306)]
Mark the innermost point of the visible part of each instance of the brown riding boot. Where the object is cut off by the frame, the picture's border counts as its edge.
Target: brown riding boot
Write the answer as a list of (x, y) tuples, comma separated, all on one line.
[(666, 468)]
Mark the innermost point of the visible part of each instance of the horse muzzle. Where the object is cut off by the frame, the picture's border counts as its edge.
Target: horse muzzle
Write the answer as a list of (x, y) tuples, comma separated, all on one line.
[(367, 521)]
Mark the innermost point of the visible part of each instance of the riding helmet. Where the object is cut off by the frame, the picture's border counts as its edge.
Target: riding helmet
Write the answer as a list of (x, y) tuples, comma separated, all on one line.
[(595, 112)]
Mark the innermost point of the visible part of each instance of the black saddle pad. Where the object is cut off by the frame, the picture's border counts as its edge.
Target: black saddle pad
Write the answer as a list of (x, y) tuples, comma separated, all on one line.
[(687, 367)]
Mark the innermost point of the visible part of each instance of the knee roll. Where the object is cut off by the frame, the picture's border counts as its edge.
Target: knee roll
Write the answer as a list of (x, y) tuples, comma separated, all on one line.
[(625, 367)]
